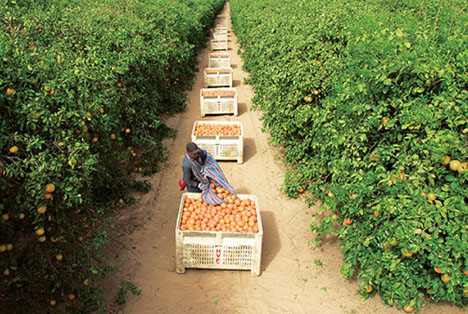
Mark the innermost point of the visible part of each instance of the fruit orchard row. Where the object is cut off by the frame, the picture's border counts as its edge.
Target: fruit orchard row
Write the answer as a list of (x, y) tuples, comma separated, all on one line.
[(367, 98), (84, 88)]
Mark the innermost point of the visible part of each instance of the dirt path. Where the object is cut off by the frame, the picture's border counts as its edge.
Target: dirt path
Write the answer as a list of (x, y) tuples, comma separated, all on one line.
[(291, 281)]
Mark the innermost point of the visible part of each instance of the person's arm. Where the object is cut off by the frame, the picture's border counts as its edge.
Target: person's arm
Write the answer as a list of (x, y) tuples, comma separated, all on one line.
[(203, 155), (187, 174)]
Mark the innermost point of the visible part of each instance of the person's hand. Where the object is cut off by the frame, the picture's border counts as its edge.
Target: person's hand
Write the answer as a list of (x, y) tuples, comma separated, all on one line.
[(200, 186)]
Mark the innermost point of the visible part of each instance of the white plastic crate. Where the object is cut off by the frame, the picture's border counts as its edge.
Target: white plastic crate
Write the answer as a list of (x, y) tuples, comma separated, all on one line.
[(218, 101), (220, 36), (216, 249), (219, 44), (218, 77), (220, 31), (221, 27), (219, 60), (222, 147)]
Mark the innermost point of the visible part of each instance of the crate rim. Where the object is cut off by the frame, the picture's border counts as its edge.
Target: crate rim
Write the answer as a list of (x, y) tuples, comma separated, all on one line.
[(219, 70)]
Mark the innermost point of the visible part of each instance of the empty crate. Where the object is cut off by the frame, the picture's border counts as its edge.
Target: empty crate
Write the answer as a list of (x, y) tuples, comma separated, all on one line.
[(218, 77)]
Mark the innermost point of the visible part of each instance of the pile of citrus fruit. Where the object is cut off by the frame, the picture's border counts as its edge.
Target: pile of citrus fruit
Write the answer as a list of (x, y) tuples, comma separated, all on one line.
[(217, 129), (234, 216), (218, 92)]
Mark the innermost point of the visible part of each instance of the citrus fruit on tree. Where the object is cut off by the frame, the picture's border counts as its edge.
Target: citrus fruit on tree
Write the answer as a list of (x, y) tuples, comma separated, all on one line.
[(445, 160), (454, 164), (50, 188)]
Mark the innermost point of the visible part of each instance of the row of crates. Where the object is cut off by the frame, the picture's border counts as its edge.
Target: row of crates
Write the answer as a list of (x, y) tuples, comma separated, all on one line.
[(219, 249), (219, 97)]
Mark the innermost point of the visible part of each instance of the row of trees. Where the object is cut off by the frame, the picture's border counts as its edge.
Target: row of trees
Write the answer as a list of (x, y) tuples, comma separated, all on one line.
[(84, 89), (370, 102)]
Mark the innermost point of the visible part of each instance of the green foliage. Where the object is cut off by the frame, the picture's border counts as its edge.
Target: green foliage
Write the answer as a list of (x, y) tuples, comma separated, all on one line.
[(125, 286), (84, 89), (365, 108)]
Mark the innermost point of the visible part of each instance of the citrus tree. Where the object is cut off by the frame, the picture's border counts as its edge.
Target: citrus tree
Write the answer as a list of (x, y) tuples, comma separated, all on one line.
[(84, 89), (369, 101)]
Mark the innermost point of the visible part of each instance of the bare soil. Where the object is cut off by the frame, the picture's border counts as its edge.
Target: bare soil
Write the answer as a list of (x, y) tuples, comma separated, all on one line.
[(291, 280)]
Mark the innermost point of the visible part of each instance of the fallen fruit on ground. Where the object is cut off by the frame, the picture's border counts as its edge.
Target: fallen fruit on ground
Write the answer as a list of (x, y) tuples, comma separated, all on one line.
[(408, 309)]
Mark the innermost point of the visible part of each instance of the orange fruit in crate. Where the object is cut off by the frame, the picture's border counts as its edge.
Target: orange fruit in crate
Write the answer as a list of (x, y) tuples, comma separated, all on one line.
[(217, 129), (238, 216)]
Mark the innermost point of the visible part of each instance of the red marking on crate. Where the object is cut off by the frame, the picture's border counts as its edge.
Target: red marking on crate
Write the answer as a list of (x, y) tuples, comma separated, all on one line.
[(218, 255)]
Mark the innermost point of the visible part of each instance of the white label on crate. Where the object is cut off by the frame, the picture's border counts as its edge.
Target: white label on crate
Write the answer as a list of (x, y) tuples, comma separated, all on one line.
[(217, 150), (219, 106), (217, 79)]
